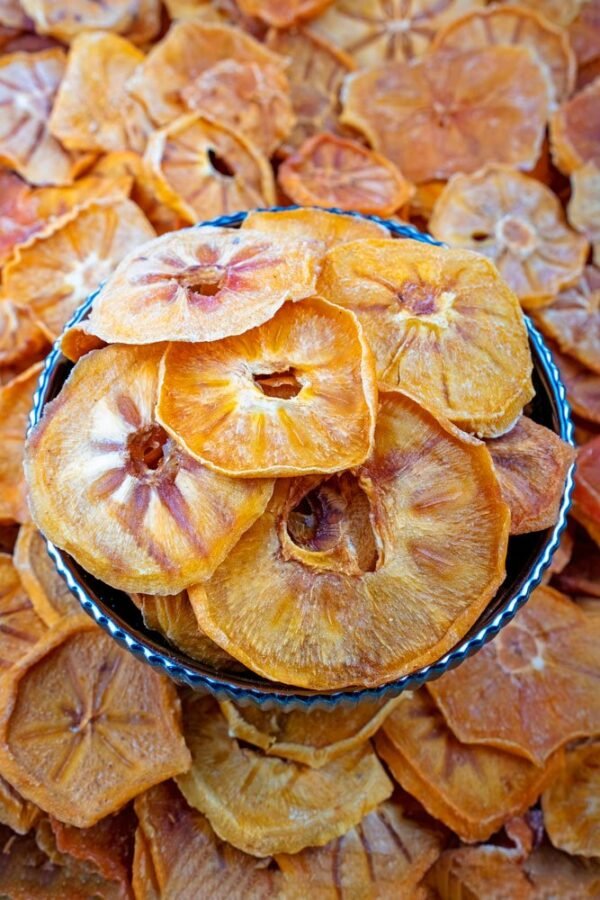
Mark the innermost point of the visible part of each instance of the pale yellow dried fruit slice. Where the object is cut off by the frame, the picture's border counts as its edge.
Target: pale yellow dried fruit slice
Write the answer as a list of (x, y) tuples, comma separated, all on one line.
[(573, 319), (49, 594), (155, 520), (16, 400), (574, 130), (263, 805), (317, 224), (583, 211), (571, 813), (20, 625), (359, 579)]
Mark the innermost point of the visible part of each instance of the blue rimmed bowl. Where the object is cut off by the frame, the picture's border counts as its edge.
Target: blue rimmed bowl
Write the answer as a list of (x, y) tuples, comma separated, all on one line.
[(528, 555)]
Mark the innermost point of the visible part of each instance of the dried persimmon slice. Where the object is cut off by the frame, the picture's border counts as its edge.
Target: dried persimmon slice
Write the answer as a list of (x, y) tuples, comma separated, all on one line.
[(583, 211), (314, 224), (54, 273), (562, 12), (586, 496), (519, 224), (435, 319), (473, 789), (283, 13), (300, 389), (65, 19), (366, 576), (583, 386), (157, 521), (584, 35), (551, 873), (202, 284), (384, 856), (312, 737), (20, 625), (332, 171), (16, 400), (49, 594), (247, 796), (85, 727), (23, 340), (571, 820), (432, 118), (573, 319), (581, 576), (531, 463), (184, 857), (574, 130), (12, 16), (487, 871), (546, 662), (201, 169), (19, 814)]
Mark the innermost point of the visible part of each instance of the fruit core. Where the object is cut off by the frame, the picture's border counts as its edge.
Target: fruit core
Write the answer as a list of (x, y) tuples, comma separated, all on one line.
[(518, 651), (281, 385), (205, 281), (219, 164), (147, 449), (427, 302), (516, 234)]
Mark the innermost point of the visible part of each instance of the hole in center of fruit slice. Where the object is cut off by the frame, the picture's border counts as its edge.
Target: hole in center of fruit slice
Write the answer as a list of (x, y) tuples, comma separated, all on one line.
[(205, 281), (220, 164), (283, 385), (146, 448)]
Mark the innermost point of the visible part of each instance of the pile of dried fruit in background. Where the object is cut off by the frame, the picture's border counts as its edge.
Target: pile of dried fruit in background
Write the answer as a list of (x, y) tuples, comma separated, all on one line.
[(478, 123)]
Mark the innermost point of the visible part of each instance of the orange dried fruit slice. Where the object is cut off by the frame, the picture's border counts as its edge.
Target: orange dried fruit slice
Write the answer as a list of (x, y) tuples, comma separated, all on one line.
[(424, 308), (313, 737), (314, 224), (487, 871), (178, 853), (353, 579), (54, 273), (570, 812), (49, 594), (433, 118), (586, 496), (65, 19), (300, 388), (554, 874), (531, 463), (519, 224), (19, 814), (23, 340), (583, 211), (20, 626), (581, 577), (225, 12), (562, 12), (513, 24), (316, 72), (384, 856), (583, 386), (175, 520), (16, 400), (472, 789), (202, 284), (85, 727), (190, 47), (93, 110), (546, 662), (247, 797), (283, 13), (332, 171), (573, 319), (250, 98), (200, 168), (574, 130), (584, 35), (18, 215)]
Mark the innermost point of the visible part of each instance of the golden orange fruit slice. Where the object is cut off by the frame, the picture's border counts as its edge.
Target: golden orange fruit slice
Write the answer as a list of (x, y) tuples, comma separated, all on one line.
[(16, 400), (434, 319), (562, 12), (584, 35), (487, 871), (546, 660), (49, 594), (19, 814), (569, 803), (584, 206), (583, 386), (472, 789), (351, 580), (178, 853), (201, 169), (555, 874), (18, 214), (519, 224), (433, 118), (65, 20), (283, 13), (54, 273), (20, 626), (531, 463), (175, 520), (247, 797), (312, 737), (385, 855), (251, 99), (573, 319), (574, 130), (319, 225), (85, 727), (23, 340), (216, 11), (300, 388)]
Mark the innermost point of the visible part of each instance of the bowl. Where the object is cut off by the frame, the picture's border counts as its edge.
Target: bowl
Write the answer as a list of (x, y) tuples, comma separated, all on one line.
[(528, 556)]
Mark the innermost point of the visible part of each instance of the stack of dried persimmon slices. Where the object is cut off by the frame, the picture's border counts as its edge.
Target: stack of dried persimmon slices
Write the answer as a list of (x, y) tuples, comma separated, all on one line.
[(300, 446)]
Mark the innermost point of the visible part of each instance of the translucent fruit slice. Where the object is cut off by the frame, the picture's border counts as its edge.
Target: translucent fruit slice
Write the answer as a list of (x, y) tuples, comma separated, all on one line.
[(514, 24), (574, 130), (20, 626), (385, 855), (317, 224), (203, 284), (332, 171), (472, 789), (571, 815), (16, 400), (300, 389), (55, 273), (531, 463), (534, 687), (359, 579), (283, 13), (85, 727), (573, 319), (155, 520), (251, 99), (583, 211), (519, 224), (586, 496), (203, 169), (49, 594), (312, 737), (265, 806), (433, 118), (436, 320), (179, 854)]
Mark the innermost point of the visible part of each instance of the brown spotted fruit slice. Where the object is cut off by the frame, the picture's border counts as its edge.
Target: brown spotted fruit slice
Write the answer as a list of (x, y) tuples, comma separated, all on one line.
[(361, 578), (20, 625), (16, 400), (293, 396), (135, 511), (49, 594), (442, 324), (317, 224), (202, 284), (264, 805), (570, 803), (85, 727)]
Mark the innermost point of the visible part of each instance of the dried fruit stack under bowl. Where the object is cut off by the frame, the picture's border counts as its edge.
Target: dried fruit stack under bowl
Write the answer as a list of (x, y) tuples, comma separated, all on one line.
[(300, 445)]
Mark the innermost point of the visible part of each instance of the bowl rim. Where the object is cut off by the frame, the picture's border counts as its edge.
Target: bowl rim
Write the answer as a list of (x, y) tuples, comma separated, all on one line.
[(185, 670)]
